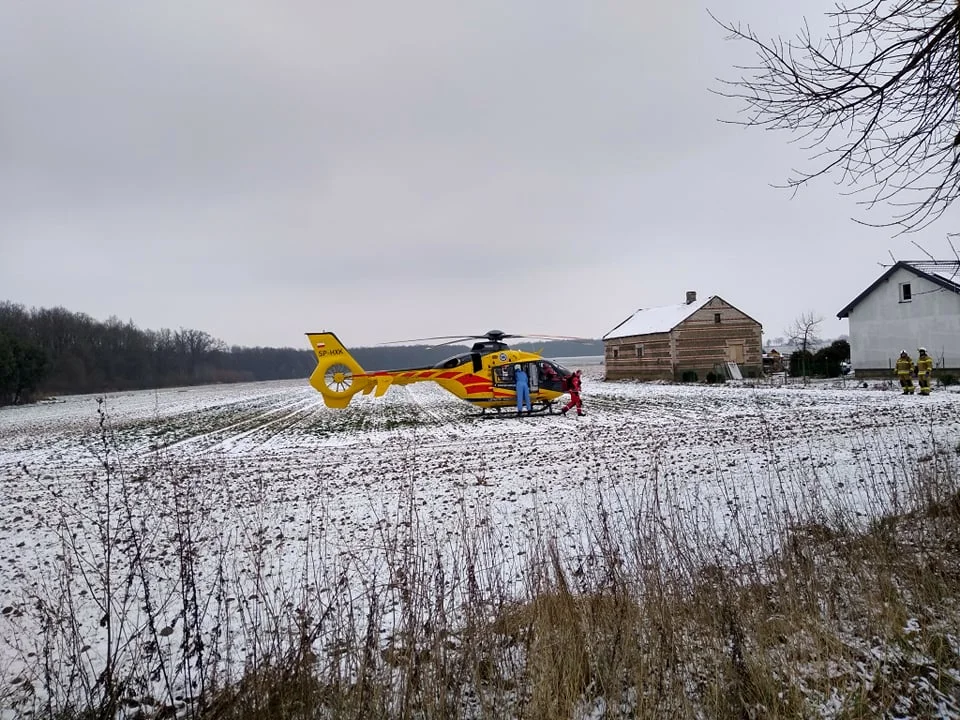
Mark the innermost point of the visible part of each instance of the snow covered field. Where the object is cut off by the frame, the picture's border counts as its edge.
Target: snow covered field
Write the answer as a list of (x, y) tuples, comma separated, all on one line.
[(269, 459)]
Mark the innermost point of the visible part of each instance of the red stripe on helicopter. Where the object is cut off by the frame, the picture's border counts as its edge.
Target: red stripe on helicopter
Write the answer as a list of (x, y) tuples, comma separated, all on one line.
[(472, 379), (390, 373)]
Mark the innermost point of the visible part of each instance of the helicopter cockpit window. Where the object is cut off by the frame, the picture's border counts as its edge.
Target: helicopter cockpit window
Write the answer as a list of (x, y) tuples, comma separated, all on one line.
[(551, 374)]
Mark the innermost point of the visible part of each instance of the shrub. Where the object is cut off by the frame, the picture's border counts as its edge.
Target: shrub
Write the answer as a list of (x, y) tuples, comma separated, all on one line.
[(949, 379), (689, 376), (827, 361), (801, 363), (713, 377)]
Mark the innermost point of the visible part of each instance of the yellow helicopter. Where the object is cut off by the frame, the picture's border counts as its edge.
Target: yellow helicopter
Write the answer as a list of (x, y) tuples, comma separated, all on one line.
[(484, 377)]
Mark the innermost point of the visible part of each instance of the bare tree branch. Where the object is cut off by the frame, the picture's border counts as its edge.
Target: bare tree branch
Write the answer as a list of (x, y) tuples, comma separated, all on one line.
[(875, 102), (803, 334), (923, 250)]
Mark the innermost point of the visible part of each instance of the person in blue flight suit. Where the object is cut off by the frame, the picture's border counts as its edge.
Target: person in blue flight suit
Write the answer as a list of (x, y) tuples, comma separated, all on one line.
[(523, 389)]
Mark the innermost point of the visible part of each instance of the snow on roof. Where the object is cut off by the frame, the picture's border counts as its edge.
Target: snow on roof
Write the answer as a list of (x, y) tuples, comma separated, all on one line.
[(952, 277), (655, 320)]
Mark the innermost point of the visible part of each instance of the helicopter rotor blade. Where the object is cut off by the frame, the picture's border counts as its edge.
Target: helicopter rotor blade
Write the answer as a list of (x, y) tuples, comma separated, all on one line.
[(458, 340), (491, 335), (455, 338), (538, 336)]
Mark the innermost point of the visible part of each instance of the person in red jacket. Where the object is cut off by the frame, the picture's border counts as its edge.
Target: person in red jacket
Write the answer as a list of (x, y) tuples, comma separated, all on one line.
[(573, 387)]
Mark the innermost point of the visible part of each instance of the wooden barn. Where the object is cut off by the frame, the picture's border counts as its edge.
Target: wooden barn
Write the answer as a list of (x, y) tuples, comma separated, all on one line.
[(697, 336)]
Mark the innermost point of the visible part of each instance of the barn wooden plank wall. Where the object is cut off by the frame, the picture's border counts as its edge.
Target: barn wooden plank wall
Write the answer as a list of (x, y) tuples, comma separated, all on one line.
[(698, 343)]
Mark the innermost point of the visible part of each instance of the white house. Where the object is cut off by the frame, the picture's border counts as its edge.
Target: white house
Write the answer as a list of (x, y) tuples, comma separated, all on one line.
[(913, 304)]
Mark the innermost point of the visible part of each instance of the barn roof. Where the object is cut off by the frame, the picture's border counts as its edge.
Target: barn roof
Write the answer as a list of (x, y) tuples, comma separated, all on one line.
[(655, 320), (945, 273)]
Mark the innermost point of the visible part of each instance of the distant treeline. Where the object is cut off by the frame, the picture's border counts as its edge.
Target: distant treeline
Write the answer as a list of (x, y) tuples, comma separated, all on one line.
[(54, 352)]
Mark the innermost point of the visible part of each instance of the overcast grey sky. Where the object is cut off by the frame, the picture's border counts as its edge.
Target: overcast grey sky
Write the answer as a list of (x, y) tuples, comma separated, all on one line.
[(394, 170)]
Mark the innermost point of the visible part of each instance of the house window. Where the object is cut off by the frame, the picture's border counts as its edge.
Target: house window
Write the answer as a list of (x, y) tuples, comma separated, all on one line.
[(716, 318), (906, 294), (639, 351), (616, 353)]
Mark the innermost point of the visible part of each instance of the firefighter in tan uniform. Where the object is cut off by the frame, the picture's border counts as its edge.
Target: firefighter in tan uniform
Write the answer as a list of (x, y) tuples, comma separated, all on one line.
[(905, 372), (924, 371)]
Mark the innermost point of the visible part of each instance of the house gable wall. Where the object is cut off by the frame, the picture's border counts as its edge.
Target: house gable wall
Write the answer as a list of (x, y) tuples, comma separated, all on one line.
[(702, 342), (881, 324)]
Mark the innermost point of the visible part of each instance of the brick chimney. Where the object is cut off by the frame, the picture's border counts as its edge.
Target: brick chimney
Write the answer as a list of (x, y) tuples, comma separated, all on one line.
[(691, 296)]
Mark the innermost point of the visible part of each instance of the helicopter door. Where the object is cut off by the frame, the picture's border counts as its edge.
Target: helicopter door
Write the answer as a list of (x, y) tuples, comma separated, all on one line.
[(533, 376), (503, 376)]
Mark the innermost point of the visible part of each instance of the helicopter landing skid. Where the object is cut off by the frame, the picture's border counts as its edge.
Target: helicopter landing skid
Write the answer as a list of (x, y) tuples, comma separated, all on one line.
[(543, 408)]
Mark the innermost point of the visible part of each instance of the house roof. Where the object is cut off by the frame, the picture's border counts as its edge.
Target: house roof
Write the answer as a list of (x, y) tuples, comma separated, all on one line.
[(655, 320), (945, 273)]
